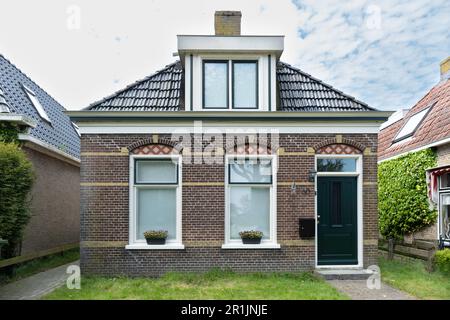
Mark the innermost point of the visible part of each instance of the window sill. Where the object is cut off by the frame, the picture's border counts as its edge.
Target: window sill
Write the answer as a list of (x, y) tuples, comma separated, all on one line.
[(143, 246), (251, 246)]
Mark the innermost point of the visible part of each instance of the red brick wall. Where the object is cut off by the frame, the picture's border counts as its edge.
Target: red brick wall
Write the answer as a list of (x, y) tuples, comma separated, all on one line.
[(104, 218)]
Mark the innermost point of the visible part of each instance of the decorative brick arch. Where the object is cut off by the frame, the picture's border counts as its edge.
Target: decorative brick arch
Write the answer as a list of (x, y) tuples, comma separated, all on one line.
[(248, 148), (343, 146), (338, 148), (159, 146)]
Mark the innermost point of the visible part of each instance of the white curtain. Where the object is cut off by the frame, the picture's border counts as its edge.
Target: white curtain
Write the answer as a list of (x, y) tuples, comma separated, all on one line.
[(156, 210), (249, 210)]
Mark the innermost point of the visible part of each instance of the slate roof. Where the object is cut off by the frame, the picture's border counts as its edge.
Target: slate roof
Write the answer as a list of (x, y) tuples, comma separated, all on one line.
[(60, 133), (434, 127), (163, 91), (300, 91), (160, 91)]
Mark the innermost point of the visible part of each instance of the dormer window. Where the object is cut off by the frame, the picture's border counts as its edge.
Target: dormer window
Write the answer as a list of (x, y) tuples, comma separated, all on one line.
[(245, 84), (37, 105), (215, 84), (220, 75)]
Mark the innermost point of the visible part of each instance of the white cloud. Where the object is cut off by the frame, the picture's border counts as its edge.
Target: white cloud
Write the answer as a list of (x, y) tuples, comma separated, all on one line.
[(122, 41)]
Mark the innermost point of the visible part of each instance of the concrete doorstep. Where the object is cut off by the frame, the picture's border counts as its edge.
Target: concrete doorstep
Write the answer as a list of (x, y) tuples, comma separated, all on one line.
[(36, 286)]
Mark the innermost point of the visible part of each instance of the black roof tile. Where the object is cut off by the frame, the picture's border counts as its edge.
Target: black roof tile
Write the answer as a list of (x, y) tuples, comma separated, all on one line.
[(163, 91)]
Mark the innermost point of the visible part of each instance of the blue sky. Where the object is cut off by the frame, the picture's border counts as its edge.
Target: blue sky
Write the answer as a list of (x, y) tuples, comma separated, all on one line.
[(385, 53)]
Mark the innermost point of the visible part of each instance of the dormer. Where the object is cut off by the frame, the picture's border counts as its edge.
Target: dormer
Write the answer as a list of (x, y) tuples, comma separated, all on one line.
[(229, 71)]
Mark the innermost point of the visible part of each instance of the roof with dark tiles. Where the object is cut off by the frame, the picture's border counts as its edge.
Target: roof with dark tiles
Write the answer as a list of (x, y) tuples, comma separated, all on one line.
[(433, 128), (60, 133), (163, 91)]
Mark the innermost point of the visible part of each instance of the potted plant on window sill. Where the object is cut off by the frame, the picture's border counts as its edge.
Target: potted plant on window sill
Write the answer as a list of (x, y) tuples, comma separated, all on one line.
[(156, 236), (251, 237)]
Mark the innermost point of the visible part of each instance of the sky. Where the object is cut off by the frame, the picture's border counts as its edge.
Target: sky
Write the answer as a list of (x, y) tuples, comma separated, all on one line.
[(385, 53)]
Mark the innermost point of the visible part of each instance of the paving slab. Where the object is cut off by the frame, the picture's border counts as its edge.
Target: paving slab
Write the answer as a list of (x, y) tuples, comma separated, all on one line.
[(358, 290), (36, 286)]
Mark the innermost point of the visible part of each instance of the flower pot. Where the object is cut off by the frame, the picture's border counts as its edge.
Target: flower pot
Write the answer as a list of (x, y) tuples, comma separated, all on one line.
[(156, 241), (251, 240)]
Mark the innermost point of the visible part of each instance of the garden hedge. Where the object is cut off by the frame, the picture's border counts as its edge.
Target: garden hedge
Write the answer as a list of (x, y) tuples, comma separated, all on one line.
[(16, 180), (402, 194)]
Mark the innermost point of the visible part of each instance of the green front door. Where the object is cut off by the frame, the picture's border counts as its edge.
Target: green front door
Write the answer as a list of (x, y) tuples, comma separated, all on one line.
[(337, 221)]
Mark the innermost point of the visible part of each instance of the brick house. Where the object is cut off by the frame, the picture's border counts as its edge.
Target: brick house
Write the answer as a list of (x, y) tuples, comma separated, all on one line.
[(52, 144), (425, 125), (228, 139)]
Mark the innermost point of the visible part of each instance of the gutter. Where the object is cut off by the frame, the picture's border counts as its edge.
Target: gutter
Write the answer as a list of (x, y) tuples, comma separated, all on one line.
[(18, 119), (95, 116), (45, 148)]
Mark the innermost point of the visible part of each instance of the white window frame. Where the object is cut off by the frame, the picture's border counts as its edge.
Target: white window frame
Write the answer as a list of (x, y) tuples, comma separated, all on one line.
[(141, 244), (359, 174), (266, 90), (265, 243), (37, 104)]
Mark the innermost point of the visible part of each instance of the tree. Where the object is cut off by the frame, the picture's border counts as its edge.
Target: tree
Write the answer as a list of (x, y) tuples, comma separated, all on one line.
[(16, 181)]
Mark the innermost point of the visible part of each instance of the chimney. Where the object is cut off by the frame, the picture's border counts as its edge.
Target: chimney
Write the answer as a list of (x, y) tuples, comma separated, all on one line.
[(445, 69), (227, 23)]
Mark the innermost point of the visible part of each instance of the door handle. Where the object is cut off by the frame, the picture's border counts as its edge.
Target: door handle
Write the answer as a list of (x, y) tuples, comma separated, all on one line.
[(318, 218)]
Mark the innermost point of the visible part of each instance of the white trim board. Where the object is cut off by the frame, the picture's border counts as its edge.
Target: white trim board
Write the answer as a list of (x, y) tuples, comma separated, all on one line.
[(430, 145), (299, 127), (40, 146)]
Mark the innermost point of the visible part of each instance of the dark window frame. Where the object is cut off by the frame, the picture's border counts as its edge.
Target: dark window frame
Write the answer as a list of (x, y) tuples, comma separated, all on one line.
[(233, 62), (205, 61), (136, 160)]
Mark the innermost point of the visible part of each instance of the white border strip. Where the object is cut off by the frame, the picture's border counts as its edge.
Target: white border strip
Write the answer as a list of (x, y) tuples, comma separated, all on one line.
[(57, 153)]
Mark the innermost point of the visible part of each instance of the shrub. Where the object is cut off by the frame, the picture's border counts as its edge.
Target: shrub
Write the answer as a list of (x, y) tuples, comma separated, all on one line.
[(8, 132), (402, 194), (251, 234), (156, 234), (441, 260), (16, 180)]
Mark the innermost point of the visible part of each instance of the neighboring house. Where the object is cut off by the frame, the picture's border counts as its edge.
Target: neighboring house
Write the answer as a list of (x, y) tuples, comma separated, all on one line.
[(426, 125), (52, 144), (272, 135)]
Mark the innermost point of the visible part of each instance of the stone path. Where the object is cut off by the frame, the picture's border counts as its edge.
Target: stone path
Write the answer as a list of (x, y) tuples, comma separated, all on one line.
[(357, 290), (37, 285)]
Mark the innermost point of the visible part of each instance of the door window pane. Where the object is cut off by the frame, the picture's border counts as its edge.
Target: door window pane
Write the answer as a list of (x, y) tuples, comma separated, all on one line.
[(336, 165), (251, 171), (245, 84), (249, 210), (156, 210), (156, 171), (215, 84)]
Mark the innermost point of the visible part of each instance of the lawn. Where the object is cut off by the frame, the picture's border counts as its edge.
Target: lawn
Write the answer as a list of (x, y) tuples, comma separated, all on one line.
[(29, 268), (214, 284), (412, 277)]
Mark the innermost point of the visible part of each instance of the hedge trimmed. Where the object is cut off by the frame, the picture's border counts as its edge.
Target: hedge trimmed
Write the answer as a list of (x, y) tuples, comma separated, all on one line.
[(402, 194), (16, 180), (442, 260)]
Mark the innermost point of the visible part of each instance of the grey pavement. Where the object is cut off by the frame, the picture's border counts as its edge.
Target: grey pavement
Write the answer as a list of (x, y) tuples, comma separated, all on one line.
[(35, 286), (357, 290)]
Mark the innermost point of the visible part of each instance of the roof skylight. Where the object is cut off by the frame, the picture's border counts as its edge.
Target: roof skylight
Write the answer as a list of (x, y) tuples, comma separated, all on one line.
[(37, 105), (411, 125)]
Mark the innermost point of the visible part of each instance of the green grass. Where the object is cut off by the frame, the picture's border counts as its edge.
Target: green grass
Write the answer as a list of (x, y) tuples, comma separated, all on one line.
[(412, 277), (29, 268), (215, 284)]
